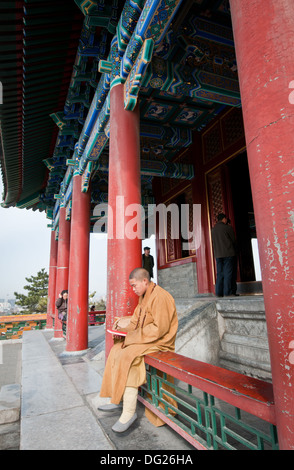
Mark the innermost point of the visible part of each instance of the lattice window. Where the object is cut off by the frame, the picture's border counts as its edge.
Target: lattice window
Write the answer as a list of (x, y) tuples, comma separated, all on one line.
[(232, 127), (215, 194), (170, 243), (212, 143), (189, 200)]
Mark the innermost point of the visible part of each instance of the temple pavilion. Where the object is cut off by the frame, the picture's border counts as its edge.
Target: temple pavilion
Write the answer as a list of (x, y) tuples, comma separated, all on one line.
[(113, 109)]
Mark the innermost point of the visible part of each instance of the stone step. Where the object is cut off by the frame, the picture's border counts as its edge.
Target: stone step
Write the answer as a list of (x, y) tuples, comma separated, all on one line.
[(242, 304), (251, 347), (10, 436), (245, 366), (252, 287), (244, 339), (230, 332), (9, 403)]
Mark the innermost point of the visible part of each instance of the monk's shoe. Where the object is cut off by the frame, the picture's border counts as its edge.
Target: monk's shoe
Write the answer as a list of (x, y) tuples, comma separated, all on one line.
[(109, 407), (122, 427)]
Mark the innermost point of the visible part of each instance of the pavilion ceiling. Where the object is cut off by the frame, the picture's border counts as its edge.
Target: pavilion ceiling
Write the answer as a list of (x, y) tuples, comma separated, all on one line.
[(49, 59), (38, 42)]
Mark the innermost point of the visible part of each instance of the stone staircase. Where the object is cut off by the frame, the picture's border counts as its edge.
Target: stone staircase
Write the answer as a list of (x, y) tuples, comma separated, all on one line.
[(243, 332), (230, 333), (9, 417)]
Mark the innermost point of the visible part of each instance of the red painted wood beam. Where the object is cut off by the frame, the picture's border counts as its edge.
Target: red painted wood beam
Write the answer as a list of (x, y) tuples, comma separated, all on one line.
[(264, 42), (78, 284), (124, 189), (52, 281), (62, 265)]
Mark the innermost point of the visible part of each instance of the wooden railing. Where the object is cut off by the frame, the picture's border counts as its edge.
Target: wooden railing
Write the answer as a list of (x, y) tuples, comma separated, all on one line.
[(213, 408), (13, 326), (97, 317)]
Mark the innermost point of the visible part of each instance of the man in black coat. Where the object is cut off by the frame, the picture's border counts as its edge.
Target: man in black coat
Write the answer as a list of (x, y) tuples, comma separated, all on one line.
[(61, 305), (148, 261), (224, 247)]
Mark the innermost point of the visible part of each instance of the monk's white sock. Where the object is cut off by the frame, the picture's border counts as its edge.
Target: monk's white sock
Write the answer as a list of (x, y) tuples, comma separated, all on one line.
[(129, 404)]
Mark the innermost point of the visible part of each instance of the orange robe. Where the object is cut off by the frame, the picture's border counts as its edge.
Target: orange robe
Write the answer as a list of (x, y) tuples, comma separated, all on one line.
[(153, 327)]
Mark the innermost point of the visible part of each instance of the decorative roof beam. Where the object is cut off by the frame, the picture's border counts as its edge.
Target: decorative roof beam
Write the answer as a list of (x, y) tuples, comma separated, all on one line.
[(131, 8), (152, 22), (134, 80), (156, 168), (99, 14)]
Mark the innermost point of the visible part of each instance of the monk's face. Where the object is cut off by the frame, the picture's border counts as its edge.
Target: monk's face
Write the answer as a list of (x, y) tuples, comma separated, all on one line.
[(139, 286)]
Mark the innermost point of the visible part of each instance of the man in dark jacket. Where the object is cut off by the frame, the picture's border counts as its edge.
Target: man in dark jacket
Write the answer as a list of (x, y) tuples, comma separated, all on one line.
[(61, 305), (148, 261), (224, 247)]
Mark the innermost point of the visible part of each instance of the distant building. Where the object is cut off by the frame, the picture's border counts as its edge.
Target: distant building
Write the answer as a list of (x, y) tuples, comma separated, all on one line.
[(5, 308)]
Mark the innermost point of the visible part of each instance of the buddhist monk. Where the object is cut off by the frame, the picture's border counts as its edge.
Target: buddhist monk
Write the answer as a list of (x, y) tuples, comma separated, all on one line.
[(152, 327)]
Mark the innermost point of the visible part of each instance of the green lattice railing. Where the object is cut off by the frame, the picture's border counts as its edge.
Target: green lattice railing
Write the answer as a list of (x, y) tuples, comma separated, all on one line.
[(13, 326), (203, 420)]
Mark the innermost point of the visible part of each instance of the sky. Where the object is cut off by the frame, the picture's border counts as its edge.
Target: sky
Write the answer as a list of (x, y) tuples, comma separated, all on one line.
[(25, 250)]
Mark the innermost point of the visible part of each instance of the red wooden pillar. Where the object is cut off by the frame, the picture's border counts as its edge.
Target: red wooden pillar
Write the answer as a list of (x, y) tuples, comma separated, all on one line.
[(78, 284), (124, 188), (52, 281), (62, 265), (264, 43)]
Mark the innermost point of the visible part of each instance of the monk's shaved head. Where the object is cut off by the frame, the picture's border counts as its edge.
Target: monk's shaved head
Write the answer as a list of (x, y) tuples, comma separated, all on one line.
[(139, 280), (139, 274)]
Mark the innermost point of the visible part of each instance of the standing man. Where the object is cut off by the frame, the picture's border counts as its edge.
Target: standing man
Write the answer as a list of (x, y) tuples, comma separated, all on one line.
[(148, 261), (224, 247), (152, 327)]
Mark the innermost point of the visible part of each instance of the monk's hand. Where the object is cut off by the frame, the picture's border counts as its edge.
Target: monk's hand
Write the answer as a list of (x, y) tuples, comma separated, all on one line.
[(115, 325)]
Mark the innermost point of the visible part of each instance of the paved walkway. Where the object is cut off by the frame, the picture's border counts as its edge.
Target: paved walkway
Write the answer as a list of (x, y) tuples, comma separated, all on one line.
[(59, 399), (53, 412), (10, 379)]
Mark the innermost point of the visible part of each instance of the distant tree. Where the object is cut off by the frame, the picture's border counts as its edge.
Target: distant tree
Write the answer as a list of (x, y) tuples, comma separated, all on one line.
[(91, 298), (37, 288), (101, 305)]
